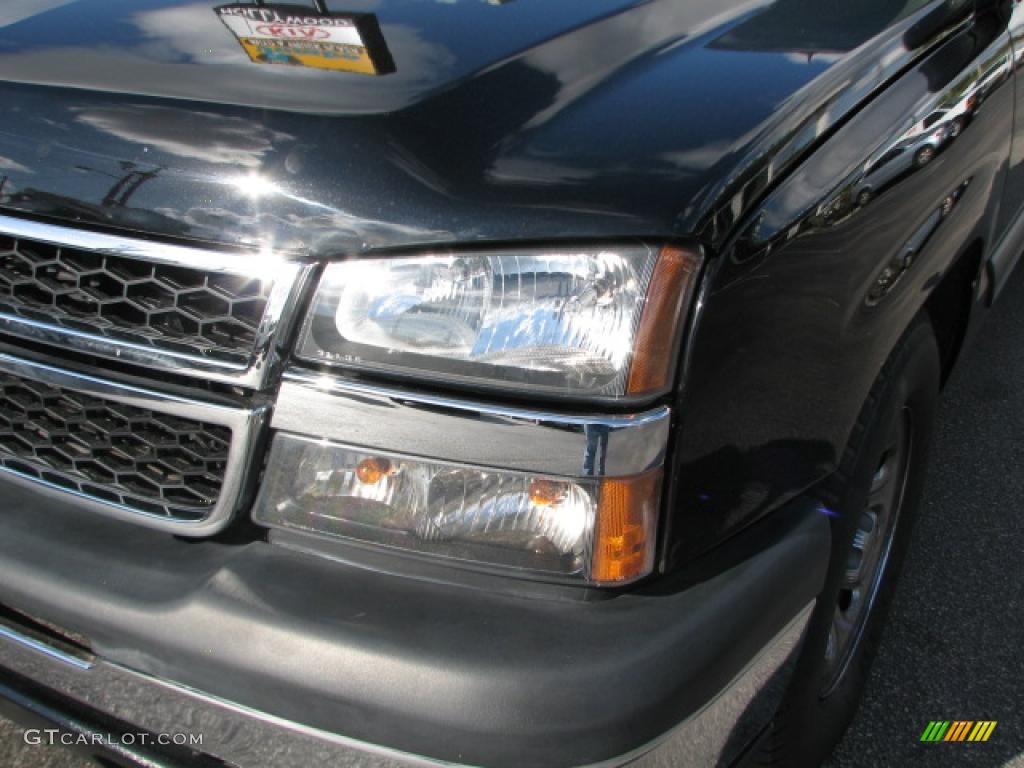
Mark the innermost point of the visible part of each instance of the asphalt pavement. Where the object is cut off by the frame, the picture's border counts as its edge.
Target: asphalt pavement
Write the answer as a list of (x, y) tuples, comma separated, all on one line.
[(952, 649)]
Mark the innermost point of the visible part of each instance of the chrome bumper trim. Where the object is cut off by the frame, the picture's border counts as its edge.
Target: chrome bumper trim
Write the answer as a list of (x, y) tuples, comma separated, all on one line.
[(246, 737), (289, 279), (239, 735), (448, 429), (48, 650), (244, 424)]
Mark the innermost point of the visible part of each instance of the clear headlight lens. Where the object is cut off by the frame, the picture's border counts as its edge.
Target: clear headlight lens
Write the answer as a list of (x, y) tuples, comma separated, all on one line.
[(594, 322), (598, 530)]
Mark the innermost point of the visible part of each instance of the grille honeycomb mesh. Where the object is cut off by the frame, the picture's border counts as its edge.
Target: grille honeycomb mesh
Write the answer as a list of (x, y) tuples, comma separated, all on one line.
[(147, 461), (178, 308)]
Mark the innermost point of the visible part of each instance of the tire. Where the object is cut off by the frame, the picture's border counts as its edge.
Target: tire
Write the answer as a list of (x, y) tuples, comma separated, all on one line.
[(924, 156), (828, 680)]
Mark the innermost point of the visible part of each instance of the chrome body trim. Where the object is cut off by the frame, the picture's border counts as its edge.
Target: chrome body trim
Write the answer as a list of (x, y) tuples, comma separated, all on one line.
[(288, 279), (244, 423), (244, 736), (460, 431), (44, 648)]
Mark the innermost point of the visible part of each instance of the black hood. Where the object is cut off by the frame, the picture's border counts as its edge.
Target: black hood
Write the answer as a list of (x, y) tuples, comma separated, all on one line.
[(522, 119)]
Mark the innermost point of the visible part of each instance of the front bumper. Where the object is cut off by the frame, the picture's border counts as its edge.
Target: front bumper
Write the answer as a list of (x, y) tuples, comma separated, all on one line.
[(282, 658)]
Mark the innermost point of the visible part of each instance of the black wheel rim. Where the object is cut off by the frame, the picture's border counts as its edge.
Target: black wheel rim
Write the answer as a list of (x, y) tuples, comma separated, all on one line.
[(869, 551)]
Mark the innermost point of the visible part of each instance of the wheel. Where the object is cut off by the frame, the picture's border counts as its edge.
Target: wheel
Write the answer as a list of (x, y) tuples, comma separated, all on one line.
[(871, 500), (924, 156)]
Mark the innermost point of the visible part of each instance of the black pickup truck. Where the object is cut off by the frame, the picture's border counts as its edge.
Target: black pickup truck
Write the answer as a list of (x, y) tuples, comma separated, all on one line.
[(514, 383)]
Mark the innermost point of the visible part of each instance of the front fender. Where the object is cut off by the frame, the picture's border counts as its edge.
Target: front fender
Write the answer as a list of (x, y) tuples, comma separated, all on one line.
[(802, 307)]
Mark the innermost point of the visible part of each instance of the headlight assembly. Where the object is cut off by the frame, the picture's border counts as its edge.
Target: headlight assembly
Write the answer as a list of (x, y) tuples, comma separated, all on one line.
[(567, 497), (581, 322)]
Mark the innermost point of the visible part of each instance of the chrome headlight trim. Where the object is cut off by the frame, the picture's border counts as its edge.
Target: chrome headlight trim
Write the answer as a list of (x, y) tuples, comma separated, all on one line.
[(463, 431)]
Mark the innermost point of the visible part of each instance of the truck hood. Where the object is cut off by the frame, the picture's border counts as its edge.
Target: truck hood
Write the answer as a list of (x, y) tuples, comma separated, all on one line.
[(485, 121)]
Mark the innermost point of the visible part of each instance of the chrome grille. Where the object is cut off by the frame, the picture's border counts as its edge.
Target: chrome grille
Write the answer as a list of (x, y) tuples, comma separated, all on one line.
[(124, 307), (156, 463), (175, 307), (165, 460), (195, 312)]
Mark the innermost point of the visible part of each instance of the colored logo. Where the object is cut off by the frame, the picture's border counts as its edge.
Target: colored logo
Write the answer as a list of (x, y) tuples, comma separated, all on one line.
[(286, 31), (958, 730)]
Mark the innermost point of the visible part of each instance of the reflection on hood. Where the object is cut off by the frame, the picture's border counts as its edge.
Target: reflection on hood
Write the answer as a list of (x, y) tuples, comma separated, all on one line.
[(201, 136), (14, 11)]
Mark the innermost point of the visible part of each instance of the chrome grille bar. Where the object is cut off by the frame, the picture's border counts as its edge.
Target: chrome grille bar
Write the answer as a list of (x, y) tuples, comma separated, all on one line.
[(195, 312), (115, 496)]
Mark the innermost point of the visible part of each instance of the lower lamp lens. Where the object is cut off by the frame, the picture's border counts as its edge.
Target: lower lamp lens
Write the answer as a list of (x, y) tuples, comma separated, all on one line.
[(596, 530)]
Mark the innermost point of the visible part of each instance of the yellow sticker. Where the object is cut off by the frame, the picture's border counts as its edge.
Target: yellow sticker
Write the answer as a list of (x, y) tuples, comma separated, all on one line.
[(302, 37)]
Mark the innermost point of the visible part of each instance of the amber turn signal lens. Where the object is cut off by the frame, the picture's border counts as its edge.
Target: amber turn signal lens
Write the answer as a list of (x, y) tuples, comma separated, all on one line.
[(372, 471), (668, 297), (626, 528), (544, 492)]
